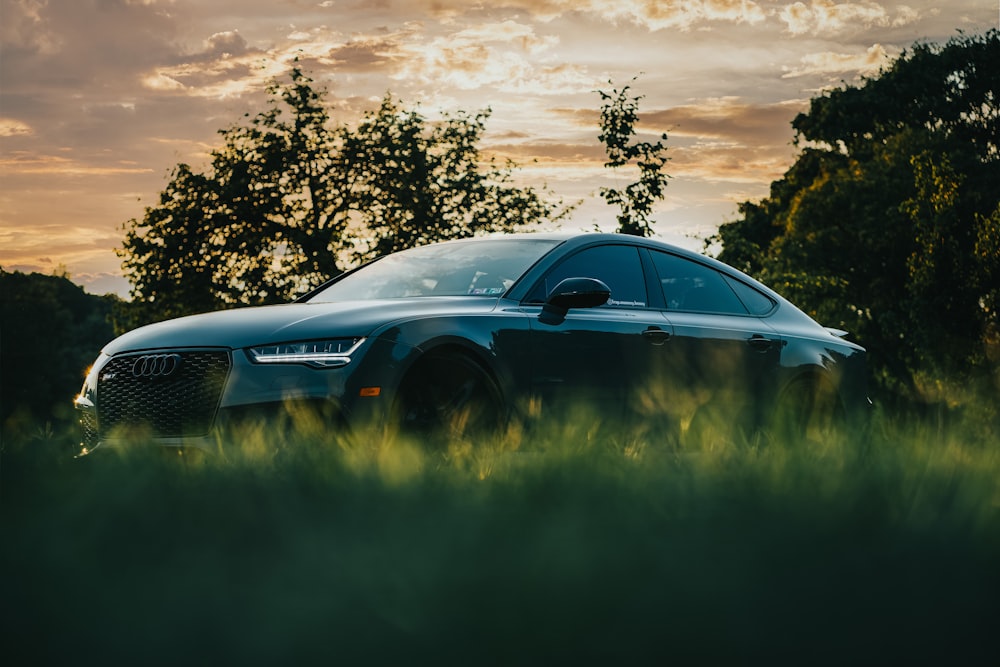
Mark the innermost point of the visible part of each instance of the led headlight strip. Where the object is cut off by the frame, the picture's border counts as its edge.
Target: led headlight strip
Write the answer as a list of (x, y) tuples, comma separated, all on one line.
[(318, 353)]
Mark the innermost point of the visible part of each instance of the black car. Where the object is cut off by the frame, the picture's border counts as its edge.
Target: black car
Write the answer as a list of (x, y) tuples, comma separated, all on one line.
[(455, 337)]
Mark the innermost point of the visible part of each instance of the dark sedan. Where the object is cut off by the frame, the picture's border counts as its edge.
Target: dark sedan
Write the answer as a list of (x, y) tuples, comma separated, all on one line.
[(454, 338)]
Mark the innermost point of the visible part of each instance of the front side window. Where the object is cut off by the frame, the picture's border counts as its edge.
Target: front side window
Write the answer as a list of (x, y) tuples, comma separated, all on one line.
[(690, 286), (617, 266)]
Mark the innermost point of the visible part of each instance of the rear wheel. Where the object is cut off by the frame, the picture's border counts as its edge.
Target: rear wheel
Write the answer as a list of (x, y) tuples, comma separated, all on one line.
[(447, 397), (809, 410)]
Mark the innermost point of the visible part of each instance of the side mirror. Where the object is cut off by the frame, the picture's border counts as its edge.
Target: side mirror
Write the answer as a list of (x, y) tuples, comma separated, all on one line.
[(574, 293)]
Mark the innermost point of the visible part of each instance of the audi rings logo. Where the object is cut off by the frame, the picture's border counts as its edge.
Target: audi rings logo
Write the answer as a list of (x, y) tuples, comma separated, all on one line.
[(156, 365)]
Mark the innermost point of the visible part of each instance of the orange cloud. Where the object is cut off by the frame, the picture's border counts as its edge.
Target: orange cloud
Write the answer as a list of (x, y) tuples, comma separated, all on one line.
[(651, 15), (828, 62), (730, 163), (718, 118), (828, 17), (10, 127), (53, 164)]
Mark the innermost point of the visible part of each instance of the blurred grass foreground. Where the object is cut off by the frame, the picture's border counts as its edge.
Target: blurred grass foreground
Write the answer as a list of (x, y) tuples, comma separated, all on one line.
[(575, 545)]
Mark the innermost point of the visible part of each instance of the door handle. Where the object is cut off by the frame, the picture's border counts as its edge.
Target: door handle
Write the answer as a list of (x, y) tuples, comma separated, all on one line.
[(656, 335), (760, 343)]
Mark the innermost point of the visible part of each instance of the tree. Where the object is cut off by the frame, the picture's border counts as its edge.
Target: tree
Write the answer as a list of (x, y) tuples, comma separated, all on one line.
[(619, 115), (887, 223), (290, 199), (50, 330), (426, 184)]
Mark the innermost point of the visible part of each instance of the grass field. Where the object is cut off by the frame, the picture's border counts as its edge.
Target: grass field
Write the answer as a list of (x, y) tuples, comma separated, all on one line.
[(573, 545)]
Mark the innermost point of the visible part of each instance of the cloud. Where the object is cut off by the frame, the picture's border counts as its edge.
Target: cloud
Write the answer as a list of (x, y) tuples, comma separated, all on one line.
[(563, 79), (551, 152), (10, 127), (225, 45), (825, 17), (682, 15), (730, 162), (815, 17), (504, 31), (716, 139), (500, 54), (54, 164), (364, 54), (214, 75), (24, 28), (829, 63), (46, 44), (727, 119), (652, 14), (162, 82), (36, 243), (225, 66)]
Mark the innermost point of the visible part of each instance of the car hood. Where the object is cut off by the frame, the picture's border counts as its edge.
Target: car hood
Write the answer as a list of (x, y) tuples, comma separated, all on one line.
[(244, 327)]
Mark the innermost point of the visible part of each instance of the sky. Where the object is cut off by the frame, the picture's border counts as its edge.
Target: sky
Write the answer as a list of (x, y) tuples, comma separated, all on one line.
[(99, 99)]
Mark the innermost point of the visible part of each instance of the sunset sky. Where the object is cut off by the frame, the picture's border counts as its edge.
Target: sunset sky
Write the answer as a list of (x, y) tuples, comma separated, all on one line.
[(99, 99)]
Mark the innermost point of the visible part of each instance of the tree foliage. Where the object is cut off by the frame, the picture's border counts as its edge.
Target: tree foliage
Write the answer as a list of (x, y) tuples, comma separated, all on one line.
[(50, 330), (426, 183), (291, 199), (619, 115), (888, 223)]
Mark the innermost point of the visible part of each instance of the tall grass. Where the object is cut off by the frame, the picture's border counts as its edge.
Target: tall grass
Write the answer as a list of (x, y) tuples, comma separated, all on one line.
[(568, 544)]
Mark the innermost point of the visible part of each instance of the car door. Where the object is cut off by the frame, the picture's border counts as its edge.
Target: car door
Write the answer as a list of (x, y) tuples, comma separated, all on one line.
[(722, 356), (585, 362)]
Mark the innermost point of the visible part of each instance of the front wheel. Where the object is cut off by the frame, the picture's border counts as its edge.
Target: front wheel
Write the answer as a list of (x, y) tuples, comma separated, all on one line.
[(448, 397)]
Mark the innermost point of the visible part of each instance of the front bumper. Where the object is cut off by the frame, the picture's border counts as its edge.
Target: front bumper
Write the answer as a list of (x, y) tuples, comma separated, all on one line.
[(114, 411)]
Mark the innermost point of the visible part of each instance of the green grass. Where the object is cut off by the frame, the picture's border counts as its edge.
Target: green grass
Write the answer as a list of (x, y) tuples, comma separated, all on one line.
[(573, 545)]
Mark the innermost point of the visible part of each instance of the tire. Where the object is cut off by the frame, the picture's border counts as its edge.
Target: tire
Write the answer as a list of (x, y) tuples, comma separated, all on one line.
[(447, 397), (809, 411)]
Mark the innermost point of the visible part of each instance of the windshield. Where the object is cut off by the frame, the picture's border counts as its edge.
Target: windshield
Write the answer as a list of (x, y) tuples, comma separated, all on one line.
[(481, 267)]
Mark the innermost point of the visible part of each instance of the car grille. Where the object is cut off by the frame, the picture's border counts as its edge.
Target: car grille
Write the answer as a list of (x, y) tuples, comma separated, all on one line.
[(172, 394), (88, 423)]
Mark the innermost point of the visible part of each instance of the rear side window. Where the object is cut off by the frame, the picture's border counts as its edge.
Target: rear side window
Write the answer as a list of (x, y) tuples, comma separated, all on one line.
[(757, 303), (690, 286), (617, 266)]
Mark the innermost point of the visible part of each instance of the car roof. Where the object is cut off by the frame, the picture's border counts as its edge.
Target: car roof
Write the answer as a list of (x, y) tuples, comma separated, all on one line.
[(573, 240), (570, 240), (580, 239)]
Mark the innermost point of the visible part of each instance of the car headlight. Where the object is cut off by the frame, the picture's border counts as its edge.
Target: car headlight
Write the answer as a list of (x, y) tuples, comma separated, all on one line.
[(319, 353), (88, 393)]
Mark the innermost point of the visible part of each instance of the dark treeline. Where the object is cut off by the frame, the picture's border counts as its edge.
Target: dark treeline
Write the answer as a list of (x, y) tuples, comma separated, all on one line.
[(50, 331), (888, 223)]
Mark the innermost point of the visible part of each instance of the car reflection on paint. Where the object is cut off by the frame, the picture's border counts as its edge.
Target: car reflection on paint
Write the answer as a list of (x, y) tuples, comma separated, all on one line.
[(457, 338)]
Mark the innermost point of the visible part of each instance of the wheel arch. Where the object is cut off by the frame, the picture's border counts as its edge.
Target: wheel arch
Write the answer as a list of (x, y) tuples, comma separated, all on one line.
[(458, 346), (811, 374), (809, 407), (449, 388)]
